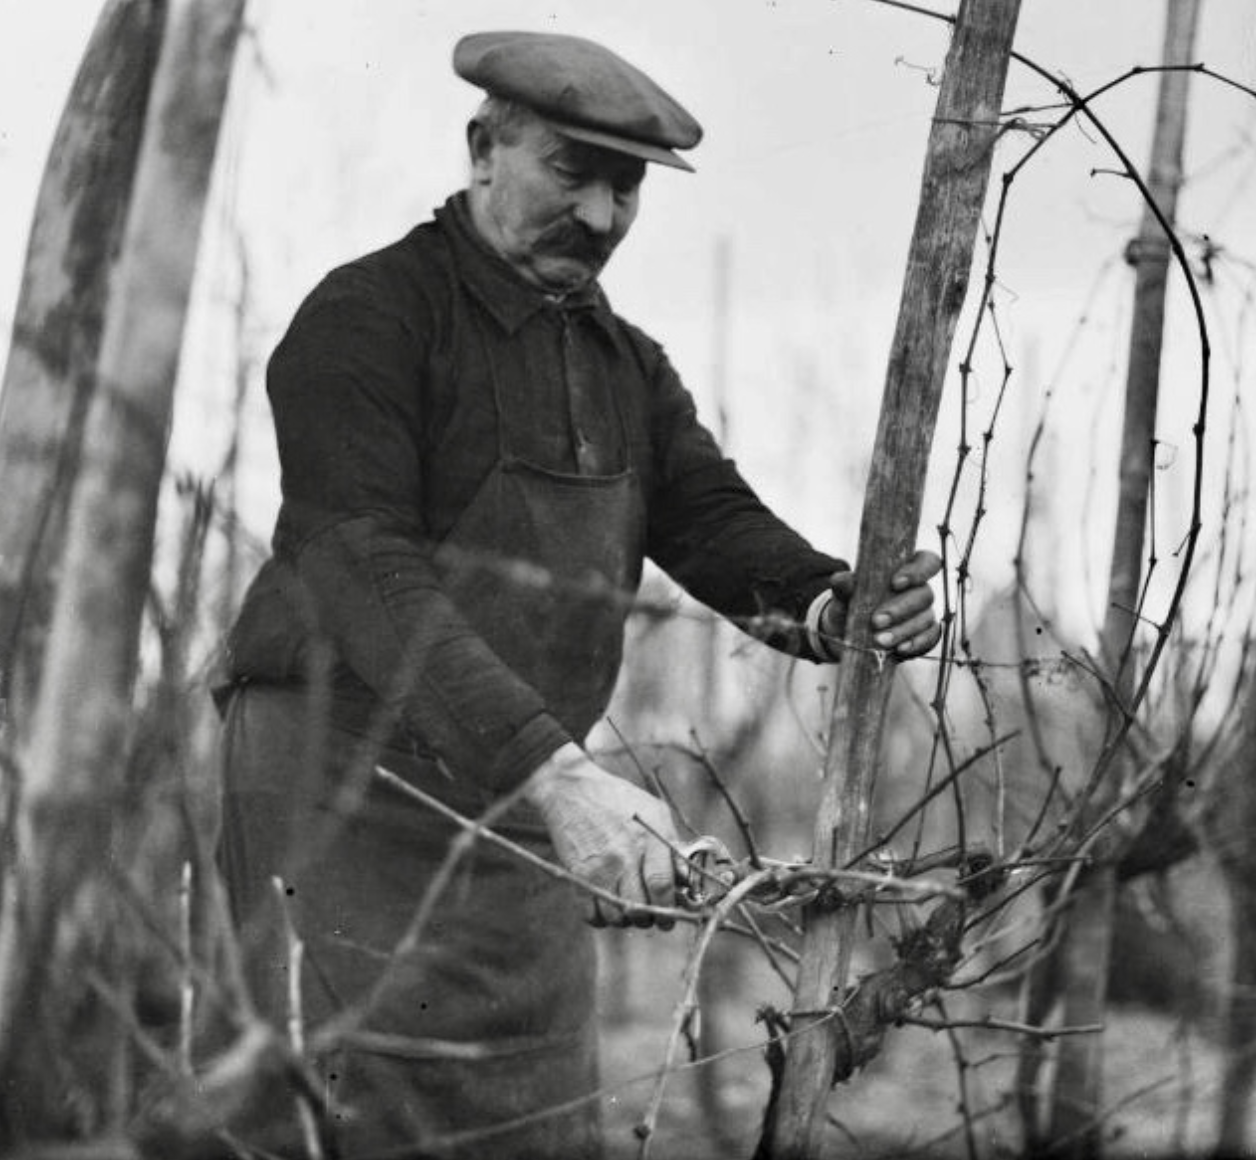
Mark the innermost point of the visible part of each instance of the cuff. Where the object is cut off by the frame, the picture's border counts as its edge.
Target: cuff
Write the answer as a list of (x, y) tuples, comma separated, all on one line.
[(535, 743), (811, 622)]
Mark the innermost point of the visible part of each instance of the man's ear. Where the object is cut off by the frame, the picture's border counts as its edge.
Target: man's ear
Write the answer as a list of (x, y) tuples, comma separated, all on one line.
[(480, 146)]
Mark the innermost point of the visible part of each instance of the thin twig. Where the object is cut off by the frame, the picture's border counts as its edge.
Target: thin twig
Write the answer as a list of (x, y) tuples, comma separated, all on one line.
[(961, 1079), (1010, 1026), (688, 1002), (652, 778), (739, 818), (772, 949), (296, 1020), (187, 991)]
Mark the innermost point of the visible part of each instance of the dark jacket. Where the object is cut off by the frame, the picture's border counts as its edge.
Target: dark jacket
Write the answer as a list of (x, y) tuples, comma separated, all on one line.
[(382, 398)]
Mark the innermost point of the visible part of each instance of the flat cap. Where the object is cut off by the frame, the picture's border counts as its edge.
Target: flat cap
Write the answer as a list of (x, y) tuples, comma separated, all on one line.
[(585, 90)]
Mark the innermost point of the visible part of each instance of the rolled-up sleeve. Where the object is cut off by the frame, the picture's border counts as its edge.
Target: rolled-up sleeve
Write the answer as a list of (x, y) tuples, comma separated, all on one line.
[(346, 388)]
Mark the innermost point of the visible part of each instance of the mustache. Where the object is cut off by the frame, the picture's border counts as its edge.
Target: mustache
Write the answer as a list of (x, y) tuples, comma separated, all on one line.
[(569, 239)]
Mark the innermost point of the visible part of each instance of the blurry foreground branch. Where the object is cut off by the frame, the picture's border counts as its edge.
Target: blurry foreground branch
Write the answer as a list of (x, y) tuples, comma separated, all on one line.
[(71, 777), (50, 375)]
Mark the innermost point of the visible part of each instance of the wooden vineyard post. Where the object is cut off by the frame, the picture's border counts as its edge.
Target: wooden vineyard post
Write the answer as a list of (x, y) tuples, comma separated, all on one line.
[(51, 369), (956, 174), (72, 772), (1086, 946)]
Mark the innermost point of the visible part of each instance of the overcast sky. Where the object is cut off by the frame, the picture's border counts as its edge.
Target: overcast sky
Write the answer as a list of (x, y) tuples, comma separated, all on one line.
[(346, 127)]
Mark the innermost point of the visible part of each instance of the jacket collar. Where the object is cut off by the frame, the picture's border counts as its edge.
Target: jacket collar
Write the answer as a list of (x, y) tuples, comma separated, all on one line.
[(504, 293)]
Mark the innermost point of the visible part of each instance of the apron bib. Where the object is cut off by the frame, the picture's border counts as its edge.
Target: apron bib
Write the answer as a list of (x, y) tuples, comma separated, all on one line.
[(540, 563)]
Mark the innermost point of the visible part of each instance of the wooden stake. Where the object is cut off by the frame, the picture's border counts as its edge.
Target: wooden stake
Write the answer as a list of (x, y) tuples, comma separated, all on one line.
[(51, 369), (1085, 952), (72, 776), (957, 169)]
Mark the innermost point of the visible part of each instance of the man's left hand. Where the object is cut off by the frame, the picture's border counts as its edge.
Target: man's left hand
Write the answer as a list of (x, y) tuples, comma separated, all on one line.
[(904, 622)]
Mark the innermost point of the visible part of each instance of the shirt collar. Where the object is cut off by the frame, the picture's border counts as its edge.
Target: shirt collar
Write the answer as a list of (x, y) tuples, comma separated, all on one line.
[(500, 289)]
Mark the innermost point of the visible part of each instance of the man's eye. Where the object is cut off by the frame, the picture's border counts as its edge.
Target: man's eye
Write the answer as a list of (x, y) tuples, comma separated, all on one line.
[(567, 174), (626, 181)]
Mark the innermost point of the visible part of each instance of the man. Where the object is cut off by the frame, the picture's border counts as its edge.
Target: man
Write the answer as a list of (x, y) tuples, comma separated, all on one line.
[(477, 456)]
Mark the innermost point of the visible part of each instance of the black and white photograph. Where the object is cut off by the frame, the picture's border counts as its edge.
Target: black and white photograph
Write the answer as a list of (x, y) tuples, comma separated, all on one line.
[(658, 581)]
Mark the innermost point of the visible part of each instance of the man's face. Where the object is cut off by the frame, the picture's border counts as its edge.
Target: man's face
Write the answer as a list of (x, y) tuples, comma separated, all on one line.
[(554, 208)]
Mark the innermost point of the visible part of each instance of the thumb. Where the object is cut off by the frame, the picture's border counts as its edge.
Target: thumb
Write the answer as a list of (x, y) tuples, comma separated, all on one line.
[(842, 585), (658, 880)]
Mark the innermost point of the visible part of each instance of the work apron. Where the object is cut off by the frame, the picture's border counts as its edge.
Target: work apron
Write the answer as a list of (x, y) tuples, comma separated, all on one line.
[(505, 972)]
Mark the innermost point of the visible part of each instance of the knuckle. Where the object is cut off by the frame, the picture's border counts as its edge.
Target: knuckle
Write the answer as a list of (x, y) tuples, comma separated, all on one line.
[(602, 868)]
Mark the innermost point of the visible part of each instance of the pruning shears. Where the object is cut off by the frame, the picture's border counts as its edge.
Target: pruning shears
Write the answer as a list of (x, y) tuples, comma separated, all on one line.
[(705, 868), (706, 871), (709, 871)]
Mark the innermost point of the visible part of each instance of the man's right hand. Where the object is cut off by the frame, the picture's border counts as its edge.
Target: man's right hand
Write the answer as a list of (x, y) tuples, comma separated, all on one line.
[(592, 819)]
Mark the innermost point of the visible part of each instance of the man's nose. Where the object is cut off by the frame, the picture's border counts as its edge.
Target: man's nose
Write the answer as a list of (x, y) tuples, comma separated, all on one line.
[(596, 207)]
